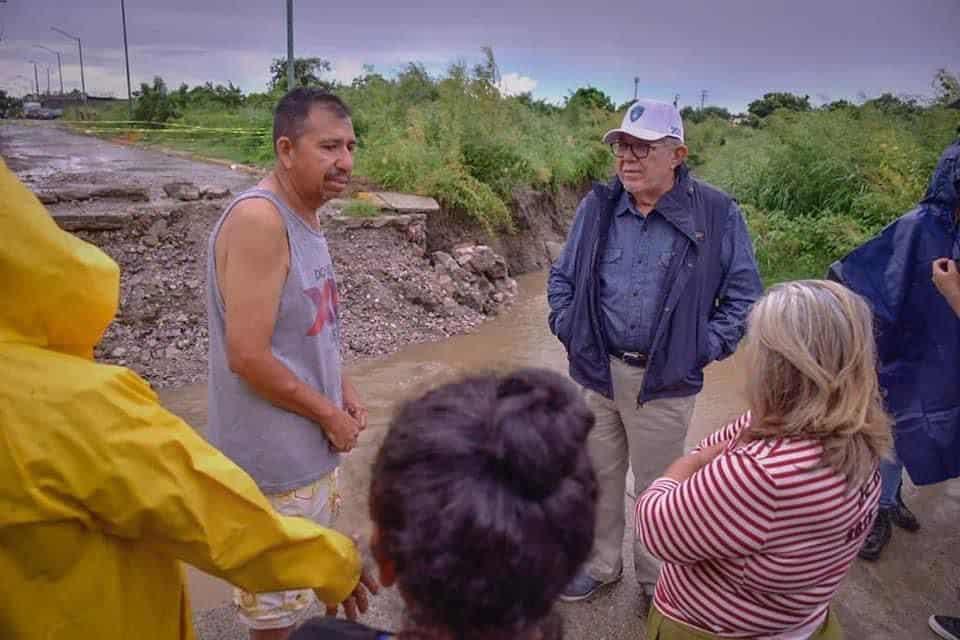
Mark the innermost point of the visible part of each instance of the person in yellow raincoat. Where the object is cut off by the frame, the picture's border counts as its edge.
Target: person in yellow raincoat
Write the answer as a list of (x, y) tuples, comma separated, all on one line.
[(102, 491)]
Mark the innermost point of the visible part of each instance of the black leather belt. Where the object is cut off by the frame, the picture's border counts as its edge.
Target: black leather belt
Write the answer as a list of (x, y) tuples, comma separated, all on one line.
[(632, 358)]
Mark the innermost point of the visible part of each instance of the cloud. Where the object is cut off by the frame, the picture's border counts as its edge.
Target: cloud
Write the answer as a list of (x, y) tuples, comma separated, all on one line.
[(512, 84), (345, 70)]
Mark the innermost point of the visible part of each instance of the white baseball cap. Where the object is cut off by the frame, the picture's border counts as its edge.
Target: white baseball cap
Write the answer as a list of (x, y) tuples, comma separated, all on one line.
[(649, 120)]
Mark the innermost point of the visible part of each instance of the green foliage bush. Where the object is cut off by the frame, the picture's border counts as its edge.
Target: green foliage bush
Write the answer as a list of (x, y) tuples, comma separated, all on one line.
[(813, 183), (154, 103)]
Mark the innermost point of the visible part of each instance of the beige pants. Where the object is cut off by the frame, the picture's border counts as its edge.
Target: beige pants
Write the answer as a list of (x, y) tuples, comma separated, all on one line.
[(646, 438)]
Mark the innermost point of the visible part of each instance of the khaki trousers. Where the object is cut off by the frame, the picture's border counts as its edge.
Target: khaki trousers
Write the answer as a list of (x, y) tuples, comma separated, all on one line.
[(646, 438)]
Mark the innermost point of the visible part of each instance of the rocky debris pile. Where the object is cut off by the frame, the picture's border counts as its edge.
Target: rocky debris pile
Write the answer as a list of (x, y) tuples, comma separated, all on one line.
[(160, 330), (412, 226), (391, 292), (476, 277)]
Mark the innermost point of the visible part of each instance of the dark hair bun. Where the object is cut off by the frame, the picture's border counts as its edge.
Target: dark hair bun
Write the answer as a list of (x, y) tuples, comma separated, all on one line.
[(484, 498), (538, 430)]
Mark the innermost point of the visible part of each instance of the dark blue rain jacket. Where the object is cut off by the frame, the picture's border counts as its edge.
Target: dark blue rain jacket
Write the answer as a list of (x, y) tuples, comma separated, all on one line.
[(918, 334)]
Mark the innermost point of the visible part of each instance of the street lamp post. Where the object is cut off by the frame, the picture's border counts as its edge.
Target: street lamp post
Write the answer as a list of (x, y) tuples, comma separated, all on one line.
[(83, 84), (36, 77), (59, 63), (291, 76), (26, 82), (126, 58)]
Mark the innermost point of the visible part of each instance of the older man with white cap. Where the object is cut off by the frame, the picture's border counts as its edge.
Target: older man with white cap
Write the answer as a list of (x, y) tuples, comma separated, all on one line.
[(654, 283)]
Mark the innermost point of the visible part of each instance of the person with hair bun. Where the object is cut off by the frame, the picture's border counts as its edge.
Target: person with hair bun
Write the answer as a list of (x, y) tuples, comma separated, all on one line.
[(758, 526), (483, 502)]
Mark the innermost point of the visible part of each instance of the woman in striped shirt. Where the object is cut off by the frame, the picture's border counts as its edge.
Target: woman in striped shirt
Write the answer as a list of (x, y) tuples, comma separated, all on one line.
[(758, 525)]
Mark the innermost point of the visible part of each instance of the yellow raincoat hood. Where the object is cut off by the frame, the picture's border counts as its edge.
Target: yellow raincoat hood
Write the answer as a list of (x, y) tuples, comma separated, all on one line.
[(59, 292), (102, 491)]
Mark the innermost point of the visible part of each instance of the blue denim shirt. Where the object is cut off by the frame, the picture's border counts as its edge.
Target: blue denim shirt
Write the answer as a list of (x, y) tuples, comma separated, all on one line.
[(633, 270), (706, 318)]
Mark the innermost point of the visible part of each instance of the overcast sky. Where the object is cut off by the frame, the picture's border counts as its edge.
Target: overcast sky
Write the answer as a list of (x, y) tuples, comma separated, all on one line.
[(735, 49)]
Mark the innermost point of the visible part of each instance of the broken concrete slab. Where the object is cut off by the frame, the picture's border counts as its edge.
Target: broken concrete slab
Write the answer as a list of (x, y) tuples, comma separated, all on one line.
[(82, 194), (133, 194), (399, 202), (185, 191), (77, 194), (91, 222), (378, 222), (214, 192)]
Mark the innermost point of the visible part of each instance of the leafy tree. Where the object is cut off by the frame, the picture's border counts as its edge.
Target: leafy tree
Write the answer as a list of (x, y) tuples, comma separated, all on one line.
[(540, 106), (895, 105), (306, 72), (778, 100), (487, 71), (838, 104), (10, 107), (947, 87), (415, 85), (154, 103), (694, 116), (589, 97)]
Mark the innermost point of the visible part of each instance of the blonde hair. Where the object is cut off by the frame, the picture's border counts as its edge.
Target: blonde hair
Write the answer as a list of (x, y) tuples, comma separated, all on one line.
[(812, 374)]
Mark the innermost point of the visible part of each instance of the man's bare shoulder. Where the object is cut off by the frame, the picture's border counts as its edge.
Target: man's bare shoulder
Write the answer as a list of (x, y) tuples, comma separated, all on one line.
[(255, 215), (255, 228)]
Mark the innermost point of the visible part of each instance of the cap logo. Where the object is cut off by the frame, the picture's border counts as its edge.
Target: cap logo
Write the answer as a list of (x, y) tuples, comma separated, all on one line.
[(636, 112), (675, 130)]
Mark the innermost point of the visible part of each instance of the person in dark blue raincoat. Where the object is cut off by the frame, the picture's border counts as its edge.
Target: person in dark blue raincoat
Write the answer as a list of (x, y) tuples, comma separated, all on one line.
[(918, 341)]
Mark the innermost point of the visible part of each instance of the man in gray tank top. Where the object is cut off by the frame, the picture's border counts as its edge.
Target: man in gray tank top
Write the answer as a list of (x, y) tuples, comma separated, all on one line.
[(279, 403)]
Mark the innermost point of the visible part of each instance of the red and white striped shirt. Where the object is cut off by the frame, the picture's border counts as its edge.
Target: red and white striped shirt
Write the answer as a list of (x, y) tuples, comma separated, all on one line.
[(755, 544)]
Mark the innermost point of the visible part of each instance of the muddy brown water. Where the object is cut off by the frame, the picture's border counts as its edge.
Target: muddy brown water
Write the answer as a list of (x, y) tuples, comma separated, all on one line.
[(892, 598)]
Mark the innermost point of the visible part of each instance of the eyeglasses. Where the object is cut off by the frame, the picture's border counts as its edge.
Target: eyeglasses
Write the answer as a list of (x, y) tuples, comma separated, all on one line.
[(639, 150)]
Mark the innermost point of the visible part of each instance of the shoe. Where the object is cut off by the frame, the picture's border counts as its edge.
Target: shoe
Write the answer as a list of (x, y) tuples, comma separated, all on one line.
[(903, 517), (645, 600), (583, 586), (879, 535), (945, 626)]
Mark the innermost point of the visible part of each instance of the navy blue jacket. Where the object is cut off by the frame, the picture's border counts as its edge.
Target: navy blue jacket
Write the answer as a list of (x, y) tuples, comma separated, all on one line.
[(918, 334), (703, 308)]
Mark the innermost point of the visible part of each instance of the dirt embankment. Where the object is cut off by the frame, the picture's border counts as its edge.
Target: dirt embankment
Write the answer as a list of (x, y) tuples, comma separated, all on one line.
[(402, 279)]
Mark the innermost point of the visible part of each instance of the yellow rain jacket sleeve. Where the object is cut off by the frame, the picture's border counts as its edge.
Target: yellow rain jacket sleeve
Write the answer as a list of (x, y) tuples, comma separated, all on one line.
[(102, 491)]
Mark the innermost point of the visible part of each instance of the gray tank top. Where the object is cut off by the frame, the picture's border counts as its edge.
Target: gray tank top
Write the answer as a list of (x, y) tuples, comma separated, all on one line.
[(280, 450)]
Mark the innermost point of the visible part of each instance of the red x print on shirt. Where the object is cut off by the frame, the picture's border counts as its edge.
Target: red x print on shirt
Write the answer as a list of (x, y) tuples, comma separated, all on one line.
[(326, 301)]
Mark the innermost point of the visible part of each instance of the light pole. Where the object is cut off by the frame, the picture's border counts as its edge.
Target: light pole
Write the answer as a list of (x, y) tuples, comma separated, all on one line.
[(36, 77), (26, 82), (59, 63), (291, 77), (126, 58), (83, 84)]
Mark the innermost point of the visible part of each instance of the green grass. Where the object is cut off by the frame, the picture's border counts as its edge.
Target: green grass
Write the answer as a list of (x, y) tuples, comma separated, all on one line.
[(453, 138), (813, 185), (360, 209)]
